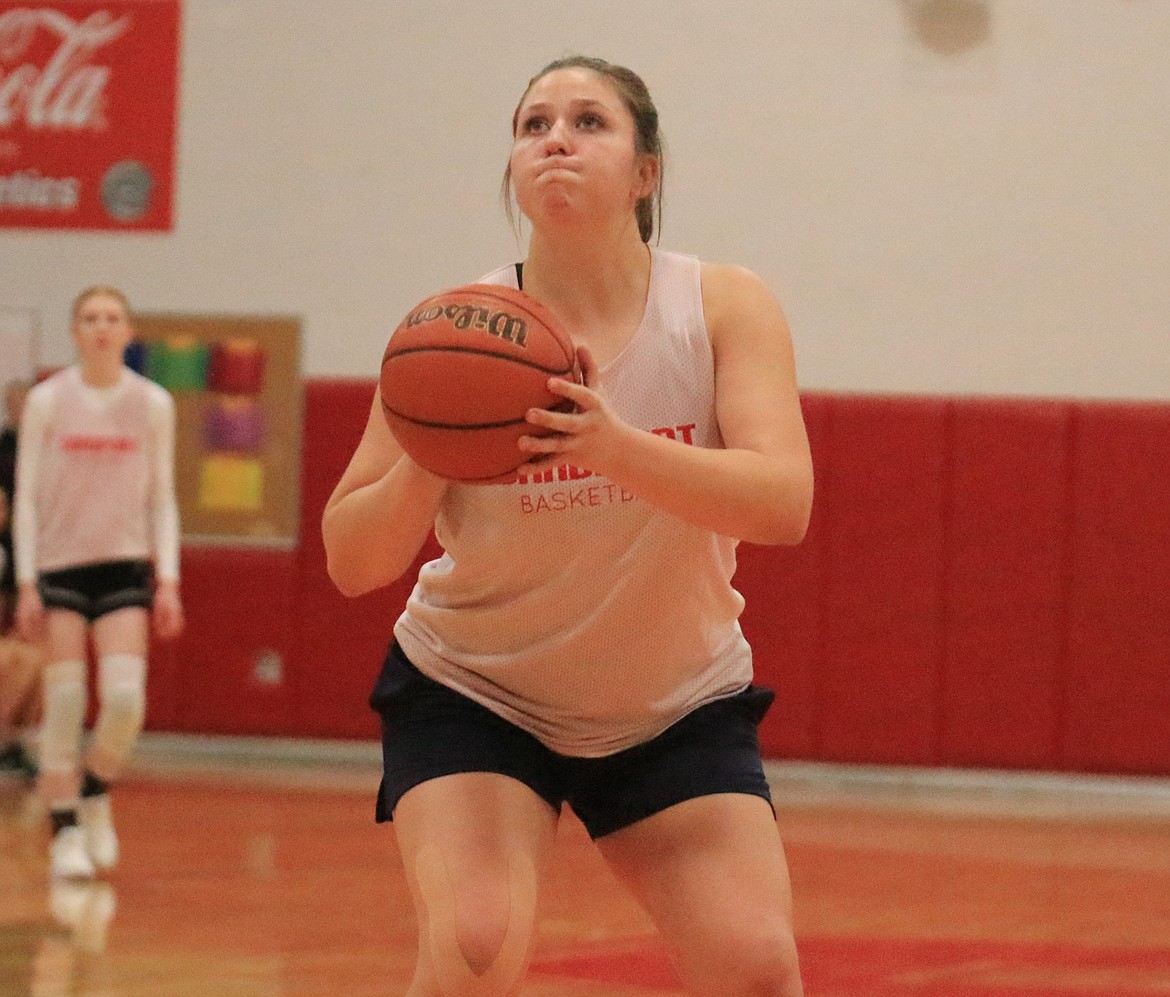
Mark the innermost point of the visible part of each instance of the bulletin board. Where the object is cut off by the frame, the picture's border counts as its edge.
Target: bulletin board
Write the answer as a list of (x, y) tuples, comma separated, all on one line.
[(236, 381)]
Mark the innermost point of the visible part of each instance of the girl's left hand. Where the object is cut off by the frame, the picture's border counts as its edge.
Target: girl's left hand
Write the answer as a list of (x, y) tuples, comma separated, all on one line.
[(30, 614), (168, 611), (586, 437)]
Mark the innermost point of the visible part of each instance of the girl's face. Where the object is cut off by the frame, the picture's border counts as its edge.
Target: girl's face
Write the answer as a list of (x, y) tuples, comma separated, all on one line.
[(574, 151), (101, 329)]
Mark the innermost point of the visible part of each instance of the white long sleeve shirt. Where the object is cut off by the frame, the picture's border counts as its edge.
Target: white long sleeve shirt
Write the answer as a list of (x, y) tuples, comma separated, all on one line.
[(95, 476)]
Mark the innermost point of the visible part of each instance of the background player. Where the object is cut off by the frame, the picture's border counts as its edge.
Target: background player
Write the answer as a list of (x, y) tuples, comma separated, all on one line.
[(20, 661), (97, 545)]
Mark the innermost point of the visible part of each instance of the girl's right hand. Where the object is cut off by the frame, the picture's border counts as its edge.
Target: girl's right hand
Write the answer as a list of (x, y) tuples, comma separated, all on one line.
[(30, 614)]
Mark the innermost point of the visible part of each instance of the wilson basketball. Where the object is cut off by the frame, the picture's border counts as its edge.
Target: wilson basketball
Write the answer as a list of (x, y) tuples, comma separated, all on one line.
[(460, 372)]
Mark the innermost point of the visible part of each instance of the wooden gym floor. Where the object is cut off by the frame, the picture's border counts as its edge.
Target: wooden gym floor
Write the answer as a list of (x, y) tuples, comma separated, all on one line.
[(254, 869)]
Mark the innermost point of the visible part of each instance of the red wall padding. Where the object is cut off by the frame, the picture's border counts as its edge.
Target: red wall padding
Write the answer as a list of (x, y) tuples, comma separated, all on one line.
[(1005, 541), (240, 605), (1117, 693), (877, 694), (985, 582)]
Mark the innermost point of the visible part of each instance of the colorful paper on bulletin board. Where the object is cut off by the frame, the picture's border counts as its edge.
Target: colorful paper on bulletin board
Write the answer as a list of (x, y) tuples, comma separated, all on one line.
[(178, 363), (236, 382), (233, 484), (88, 112)]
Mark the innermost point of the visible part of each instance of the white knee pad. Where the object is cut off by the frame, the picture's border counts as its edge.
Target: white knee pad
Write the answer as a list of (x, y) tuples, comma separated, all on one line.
[(455, 976), (122, 686), (64, 716)]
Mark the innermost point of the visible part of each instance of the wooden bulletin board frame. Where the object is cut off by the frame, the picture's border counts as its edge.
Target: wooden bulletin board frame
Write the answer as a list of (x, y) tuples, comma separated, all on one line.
[(237, 436)]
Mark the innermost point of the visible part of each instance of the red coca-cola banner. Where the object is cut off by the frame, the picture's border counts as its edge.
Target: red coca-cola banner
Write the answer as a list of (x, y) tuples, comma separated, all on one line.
[(88, 104)]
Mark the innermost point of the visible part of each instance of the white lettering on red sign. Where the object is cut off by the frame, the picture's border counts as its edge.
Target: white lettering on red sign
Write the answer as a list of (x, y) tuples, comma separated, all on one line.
[(64, 91)]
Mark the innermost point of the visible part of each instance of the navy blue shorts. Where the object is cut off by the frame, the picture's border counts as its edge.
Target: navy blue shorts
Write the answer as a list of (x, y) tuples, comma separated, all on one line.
[(96, 589), (429, 731)]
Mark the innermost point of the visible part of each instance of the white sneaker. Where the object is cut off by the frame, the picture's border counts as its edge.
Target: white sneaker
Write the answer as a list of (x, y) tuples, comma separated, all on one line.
[(69, 856), (97, 821)]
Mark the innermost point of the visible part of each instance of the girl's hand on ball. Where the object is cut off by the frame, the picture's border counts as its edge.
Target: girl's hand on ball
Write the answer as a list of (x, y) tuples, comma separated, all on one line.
[(584, 437)]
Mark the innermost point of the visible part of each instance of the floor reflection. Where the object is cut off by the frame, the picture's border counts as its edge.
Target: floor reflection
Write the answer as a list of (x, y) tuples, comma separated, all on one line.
[(58, 953)]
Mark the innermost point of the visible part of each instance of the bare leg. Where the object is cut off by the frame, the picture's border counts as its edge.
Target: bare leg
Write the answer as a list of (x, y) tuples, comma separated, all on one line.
[(473, 847), (712, 874)]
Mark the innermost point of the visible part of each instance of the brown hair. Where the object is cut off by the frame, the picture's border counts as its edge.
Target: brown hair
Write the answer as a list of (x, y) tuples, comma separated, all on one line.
[(648, 140), (93, 292)]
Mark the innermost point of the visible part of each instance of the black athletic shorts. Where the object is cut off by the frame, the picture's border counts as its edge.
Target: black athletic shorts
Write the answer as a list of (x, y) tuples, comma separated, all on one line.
[(96, 589), (429, 730)]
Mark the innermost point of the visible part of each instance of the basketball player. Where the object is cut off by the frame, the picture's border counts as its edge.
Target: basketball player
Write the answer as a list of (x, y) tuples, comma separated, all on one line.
[(578, 642), (20, 662), (20, 684), (97, 545), (15, 393)]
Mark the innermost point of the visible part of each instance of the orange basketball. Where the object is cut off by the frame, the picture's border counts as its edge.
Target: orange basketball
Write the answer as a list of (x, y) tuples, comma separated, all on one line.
[(460, 372)]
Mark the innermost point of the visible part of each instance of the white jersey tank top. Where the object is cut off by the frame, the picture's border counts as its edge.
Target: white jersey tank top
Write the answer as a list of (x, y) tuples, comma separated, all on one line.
[(567, 605)]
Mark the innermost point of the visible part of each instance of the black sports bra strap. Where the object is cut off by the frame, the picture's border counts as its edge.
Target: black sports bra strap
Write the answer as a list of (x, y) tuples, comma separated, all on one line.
[(520, 276)]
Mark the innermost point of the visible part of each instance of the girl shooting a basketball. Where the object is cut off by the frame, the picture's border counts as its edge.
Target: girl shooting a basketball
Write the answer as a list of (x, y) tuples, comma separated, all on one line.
[(97, 546), (587, 652)]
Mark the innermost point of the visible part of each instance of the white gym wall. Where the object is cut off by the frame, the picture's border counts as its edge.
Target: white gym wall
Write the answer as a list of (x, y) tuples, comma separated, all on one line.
[(969, 207)]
